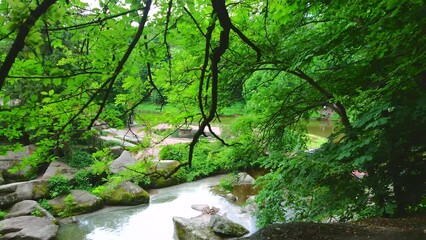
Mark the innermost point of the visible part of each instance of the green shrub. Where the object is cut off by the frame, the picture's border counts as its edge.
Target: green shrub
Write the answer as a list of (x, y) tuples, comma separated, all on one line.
[(37, 213), (58, 184), (209, 158), (79, 159), (84, 180), (2, 215), (227, 183), (44, 203)]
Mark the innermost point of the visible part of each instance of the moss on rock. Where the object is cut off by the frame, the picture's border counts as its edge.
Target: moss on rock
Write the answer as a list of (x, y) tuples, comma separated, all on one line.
[(124, 193)]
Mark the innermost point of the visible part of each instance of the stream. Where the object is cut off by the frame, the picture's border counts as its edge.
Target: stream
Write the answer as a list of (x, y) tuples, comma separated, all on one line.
[(154, 220)]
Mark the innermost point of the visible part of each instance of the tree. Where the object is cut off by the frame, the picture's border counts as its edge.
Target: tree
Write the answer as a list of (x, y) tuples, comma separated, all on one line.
[(285, 59)]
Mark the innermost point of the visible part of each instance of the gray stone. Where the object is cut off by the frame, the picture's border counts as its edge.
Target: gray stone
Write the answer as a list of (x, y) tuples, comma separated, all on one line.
[(27, 208), (124, 194), (16, 192), (22, 174), (62, 168), (194, 228), (225, 227), (163, 168), (1, 178), (199, 207), (75, 203), (12, 159), (208, 225), (250, 206), (126, 159), (28, 227), (116, 150), (245, 178)]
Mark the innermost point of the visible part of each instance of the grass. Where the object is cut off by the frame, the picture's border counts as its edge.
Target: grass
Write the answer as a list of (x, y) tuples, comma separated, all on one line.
[(316, 141)]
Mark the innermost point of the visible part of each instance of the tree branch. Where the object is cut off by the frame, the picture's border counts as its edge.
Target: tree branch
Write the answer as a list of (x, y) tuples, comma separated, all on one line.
[(83, 25), (219, 8), (19, 42), (123, 60)]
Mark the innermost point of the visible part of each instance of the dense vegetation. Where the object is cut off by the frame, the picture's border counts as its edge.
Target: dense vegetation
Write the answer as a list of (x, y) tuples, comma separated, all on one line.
[(67, 66)]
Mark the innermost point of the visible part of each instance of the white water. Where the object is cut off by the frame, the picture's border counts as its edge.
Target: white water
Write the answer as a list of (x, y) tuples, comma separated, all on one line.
[(154, 221)]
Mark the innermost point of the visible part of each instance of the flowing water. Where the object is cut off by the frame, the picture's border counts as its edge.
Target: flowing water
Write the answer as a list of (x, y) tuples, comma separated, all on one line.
[(154, 221)]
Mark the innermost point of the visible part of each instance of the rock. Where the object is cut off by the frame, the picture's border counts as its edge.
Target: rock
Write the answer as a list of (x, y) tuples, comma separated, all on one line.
[(28, 227), (116, 150), (164, 167), (75, 203), (1, 179), (250, 206), (245, 178), (16, 192), (208, 225), (194, 228), (225, 227), (126, 159), (199, 207), (28, 208), (230, 197), (59, 167), (25, 174), (125, 193), (12, 159)]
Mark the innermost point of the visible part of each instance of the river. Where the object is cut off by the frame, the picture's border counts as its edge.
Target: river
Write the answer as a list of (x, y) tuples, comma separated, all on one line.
[(153, 220)]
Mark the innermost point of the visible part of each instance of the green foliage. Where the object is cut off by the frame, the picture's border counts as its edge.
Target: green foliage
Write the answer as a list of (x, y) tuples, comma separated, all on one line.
[(84, 180), (99, 190), (58, 185), (366, 61), (137, 173), (37, 213), (209, 158), (44, 203), (79, 159), (2, 215), (70, 204), (227, 183)]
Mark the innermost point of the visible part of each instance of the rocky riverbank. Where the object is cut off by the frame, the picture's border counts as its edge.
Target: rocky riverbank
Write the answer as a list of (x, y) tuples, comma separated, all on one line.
[(410, 228)]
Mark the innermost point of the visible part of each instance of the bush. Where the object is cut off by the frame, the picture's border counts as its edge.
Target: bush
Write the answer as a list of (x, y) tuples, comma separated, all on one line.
[(2, 215), (79, 159), (84, 180), (58, 184), (209, 158)]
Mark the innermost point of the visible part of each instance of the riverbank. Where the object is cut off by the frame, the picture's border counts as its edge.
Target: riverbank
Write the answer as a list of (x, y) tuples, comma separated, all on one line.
[(409, 228)]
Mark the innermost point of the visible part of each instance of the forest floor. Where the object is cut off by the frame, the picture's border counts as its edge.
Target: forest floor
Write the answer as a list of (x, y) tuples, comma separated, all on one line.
[(409, 228)]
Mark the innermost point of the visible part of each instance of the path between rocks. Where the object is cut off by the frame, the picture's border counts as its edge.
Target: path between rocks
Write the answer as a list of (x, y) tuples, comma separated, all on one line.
[(133, 135)]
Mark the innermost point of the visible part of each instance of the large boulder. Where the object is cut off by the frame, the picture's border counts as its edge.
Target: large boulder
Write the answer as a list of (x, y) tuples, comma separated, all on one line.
[(194, 228), (59, 167), (208, 225), (163, 168), (75, 203), (28, 208), (16, 192), (28, 227), (225, 227), (125, 193), (126, 159), (244, 178)]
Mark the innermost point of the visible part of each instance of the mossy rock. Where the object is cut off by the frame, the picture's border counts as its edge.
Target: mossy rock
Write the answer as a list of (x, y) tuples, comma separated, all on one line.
[(164, 168), (75, 203), (124, 193), (40, 189)]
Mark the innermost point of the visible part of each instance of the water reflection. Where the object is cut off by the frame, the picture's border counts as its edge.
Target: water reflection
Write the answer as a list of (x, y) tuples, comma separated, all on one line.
[(322, 128)]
